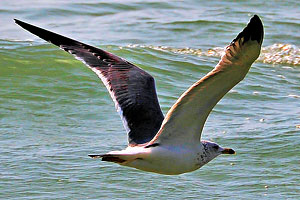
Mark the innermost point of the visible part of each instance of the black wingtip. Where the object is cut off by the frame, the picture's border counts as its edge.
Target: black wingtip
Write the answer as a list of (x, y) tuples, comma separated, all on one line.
[(31, 28), (49, 36), (254, 31), (19, 22)]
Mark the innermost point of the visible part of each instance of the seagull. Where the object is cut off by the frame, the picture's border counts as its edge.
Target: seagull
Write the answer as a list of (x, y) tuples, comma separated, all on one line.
[(172, 144)]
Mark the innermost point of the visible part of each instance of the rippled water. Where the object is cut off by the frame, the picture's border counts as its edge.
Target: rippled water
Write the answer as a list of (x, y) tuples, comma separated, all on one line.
[(54, 111)]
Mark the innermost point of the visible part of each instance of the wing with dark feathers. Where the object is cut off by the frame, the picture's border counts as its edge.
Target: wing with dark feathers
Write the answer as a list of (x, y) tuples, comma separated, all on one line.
[(131, 88)]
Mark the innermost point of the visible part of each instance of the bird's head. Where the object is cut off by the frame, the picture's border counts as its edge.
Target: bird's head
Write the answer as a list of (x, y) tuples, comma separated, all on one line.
[(213, 150)]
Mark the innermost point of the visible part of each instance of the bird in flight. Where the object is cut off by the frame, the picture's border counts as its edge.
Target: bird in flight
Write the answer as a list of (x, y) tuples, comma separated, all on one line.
[(172, 144)]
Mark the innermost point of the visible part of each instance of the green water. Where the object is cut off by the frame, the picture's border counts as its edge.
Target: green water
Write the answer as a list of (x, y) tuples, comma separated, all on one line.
[(54, 111)]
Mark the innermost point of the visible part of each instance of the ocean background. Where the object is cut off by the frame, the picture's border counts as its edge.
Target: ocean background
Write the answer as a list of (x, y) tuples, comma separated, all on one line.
[(54, 111)]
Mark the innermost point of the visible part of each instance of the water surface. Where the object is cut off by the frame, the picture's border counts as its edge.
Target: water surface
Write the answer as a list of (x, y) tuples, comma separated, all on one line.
[(54, 111)]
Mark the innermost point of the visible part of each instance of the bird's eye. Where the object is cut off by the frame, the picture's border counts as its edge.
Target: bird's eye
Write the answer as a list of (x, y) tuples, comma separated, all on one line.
[(215, 147)]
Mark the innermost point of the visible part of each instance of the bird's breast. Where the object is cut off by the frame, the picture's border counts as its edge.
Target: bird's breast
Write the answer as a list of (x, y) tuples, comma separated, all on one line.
[(168, 160)]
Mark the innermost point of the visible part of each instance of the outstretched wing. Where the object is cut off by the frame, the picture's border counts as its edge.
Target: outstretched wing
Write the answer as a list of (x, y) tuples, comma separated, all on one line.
[(185, 120), (131, 88)]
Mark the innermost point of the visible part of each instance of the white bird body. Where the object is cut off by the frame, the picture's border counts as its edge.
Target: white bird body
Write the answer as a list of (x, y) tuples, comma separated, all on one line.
[(163, 159), (172, 144)]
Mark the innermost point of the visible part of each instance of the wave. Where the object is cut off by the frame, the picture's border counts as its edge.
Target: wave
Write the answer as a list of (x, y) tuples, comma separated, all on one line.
[(277, 53), (274, 54)]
